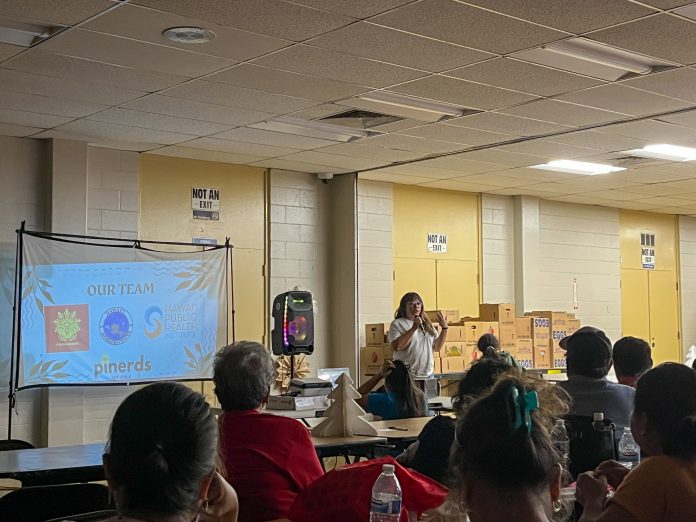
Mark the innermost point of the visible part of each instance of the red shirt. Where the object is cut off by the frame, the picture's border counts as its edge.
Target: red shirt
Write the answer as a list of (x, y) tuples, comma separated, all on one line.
[(269, 460)]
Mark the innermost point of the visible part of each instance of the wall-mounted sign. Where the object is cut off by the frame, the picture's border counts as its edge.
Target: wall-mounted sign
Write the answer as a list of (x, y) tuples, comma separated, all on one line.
[(205, 198), (437, 242), (209, 215), (647, 250), (204, 241)]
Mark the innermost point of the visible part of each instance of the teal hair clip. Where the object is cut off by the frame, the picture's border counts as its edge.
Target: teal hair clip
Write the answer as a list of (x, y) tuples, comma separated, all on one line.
[(523, 403)]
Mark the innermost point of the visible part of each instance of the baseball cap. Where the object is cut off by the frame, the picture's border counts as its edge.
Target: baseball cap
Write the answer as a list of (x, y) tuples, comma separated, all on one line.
[(590, 339)]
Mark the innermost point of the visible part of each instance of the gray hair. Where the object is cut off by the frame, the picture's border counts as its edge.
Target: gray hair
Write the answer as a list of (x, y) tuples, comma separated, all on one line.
[(243, 374)]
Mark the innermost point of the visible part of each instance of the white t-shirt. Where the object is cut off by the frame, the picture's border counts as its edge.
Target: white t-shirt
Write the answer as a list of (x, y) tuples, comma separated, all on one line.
[(419, 354)]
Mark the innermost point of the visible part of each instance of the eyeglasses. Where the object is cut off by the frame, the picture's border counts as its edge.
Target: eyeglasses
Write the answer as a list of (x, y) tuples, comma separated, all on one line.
[(414, 303)]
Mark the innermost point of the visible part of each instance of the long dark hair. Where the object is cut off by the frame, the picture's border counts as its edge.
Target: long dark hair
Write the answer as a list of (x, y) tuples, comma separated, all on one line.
[(488, 345), (479, 379), (666, 395), (401, 311), (409, 398), (162, 444)]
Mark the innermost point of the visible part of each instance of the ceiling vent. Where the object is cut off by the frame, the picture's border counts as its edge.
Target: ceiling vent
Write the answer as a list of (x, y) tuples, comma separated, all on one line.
[(630, 161), (360, 119)]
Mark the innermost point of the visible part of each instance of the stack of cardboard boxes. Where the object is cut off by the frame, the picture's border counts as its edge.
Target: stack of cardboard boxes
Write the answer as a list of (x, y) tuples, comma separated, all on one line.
[(533, 340)]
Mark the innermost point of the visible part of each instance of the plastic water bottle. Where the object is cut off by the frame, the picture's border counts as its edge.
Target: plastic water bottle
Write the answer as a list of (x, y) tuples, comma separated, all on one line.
[(386, 497), (559, 436), (629, 451)]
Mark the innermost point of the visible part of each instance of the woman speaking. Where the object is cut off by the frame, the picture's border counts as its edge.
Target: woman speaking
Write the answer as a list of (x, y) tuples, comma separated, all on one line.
[(413, 337)]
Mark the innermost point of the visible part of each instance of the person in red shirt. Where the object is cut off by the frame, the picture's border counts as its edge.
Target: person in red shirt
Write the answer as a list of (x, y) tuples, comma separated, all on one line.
[(269, 459)]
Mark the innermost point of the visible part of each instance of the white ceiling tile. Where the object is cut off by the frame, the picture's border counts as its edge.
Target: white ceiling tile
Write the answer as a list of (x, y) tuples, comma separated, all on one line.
[(21, 82), (334, 160), (251, 149), (206, 155), (65, 12), (536, 189), (406, 123), (563, 113), (7, 51), (140, 23), (418, 170), (666, 4), (413, 144), (233, 96), (389, 45), (467, 25), (354, 8), (98, 141), (47, 105), (392, 177), (620, 194), (502, 157), (685, 119), (31, 119), (686, 187), (495, 180), (341, 67), (319, 111), (574, 16), (657, 189), (288, 83), (678, 83), (457, 134), (133, 53), (461, 166), (502, 123), (297, 166), (461, 92), (548, 149), (450, 184), (672, 210), (278, 139), (363, 149), (113, 131), (61, 66), (196, 110), (657, 131), (18, 131), (270, 17), (600, 141), (162, 122), (525, 77), (664, 201), (662, 176), (625, 100), (676, 41)]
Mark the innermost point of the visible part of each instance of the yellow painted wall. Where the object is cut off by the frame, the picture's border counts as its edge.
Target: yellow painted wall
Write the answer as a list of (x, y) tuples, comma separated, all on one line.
[(649, 297), (166, 214), (445, 280)]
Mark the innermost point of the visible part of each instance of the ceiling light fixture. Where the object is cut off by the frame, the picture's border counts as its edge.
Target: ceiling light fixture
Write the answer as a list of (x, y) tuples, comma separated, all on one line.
[(666, 152), (188, 35), (314, 129), (578, 167), (14, 32), (406, 106), (594, 52)]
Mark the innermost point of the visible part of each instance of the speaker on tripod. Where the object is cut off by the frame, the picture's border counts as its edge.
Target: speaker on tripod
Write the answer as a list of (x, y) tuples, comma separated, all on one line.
[(293, 323)]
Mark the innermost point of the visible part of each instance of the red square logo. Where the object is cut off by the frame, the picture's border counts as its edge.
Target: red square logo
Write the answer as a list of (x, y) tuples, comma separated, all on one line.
[(67, 328)]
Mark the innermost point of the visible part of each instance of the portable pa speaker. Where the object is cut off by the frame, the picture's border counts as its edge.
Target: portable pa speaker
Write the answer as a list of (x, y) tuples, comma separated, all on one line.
[(293, 318)]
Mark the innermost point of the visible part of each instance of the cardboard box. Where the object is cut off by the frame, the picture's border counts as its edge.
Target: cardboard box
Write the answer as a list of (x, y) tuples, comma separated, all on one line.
[(451, 349), (542, 356), (503, 313), (473, 330), (437, 365), (507, 336), (372, 358), (376, 334), (455, 334), (451, 316), (471, 352), (523, 327), (524, 353), (572, 326), (453, 364)]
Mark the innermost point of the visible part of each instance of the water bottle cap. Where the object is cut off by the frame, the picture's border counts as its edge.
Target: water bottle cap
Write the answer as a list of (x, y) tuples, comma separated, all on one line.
[(560, 422), (627, 430), (598, 416), (389, 468)]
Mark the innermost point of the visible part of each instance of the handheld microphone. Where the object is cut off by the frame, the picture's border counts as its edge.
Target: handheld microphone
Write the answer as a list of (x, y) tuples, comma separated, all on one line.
[(422, 325)]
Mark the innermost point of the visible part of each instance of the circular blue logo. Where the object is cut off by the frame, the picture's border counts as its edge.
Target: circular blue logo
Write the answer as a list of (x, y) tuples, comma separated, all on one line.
[(116, 325)]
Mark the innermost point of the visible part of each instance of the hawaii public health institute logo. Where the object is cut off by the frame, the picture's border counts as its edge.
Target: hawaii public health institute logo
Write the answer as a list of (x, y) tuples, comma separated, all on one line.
[(153, 318), (116, 325)]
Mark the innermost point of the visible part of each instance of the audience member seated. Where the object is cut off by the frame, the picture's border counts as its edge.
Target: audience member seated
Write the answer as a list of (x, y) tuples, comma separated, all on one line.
[(663, 487), (632, 358), (161, 458), (489, 346), (589, 359), (401, 397), (504, 460), (430, 453), (269, 459)]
